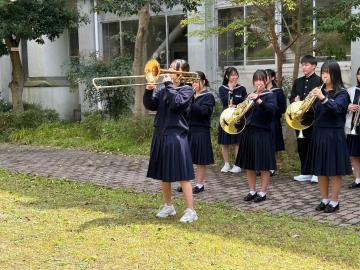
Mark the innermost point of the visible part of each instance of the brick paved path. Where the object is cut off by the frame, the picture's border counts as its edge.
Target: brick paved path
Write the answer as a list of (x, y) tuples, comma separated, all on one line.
[(285, 195)]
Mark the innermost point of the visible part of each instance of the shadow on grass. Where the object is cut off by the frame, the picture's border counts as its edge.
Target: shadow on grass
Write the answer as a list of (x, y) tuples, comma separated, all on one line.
[(302, 236)]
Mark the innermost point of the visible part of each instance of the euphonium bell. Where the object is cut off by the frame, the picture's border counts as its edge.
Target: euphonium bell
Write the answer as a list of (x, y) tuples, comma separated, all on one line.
[(300, 115), (233, 120)]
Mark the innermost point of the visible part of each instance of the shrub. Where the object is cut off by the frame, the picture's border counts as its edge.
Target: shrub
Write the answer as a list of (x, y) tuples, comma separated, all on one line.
[(116, 101), (32, 117)]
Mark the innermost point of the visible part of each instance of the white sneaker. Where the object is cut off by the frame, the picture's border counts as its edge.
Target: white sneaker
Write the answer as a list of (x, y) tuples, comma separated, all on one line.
[(314, 179), (235, 169), (226, 168), (189, 216), (302, 178), (166, 211)]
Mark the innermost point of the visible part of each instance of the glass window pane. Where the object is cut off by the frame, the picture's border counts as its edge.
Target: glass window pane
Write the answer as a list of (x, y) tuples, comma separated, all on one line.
[(111, 44), (156, 40), (178, 43), (128, 36), (261, 51), (230, 46)]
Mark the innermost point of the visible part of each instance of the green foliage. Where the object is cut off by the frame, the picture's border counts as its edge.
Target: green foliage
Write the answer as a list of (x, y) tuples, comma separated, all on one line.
[(34, 20), (338, 17), (32, 117), (126, 8), (128, 135), (4, 106), (116, 101)]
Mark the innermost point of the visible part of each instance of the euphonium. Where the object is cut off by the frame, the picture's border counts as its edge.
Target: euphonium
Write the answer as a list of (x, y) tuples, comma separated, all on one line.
[(232, 120), (300, 115)]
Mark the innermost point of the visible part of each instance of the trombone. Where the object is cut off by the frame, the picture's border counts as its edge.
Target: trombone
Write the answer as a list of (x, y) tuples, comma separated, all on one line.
[(152, 72)]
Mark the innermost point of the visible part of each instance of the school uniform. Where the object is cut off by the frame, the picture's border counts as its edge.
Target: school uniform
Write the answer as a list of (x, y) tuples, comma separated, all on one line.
[(302, 87), (170, 157), (237, 95), (276, 126), (353, 141), (257, 149), (328, 154), (200, 123)]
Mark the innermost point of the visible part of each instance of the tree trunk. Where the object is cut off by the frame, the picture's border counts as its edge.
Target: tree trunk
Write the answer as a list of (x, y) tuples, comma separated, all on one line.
[(274, 41), (300, 6), (140, 56), (17, 83)]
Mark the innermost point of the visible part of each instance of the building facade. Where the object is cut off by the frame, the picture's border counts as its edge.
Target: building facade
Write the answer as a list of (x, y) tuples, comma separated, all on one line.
[(110, 35)]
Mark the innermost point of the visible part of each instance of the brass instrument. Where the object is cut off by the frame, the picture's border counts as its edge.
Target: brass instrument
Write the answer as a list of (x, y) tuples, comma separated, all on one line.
[(356, 119), (152, 72), (233, 120), (300, 115)]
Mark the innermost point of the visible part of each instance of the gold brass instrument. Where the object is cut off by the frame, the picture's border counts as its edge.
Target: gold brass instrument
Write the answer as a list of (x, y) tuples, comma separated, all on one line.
[(300, 115), (233, 120), (152, 72), (356, 120)]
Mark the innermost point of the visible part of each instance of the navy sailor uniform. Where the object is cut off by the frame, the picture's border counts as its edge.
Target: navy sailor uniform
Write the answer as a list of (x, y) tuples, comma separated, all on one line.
[(170, 157), (276, 126), (328, 154), (353, 141), (256, 149), (237, 95), (200, 123)]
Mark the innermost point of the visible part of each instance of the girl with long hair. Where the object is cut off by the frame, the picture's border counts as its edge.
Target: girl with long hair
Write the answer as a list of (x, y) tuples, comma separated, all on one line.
[(231, 94), (328, 157)]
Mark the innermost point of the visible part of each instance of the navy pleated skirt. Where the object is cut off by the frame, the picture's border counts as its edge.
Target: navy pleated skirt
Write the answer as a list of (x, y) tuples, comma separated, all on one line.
[(353, 143), (328, 153), (276, 129), (256, 150), (226, 138), (200, 146), (170, 158)]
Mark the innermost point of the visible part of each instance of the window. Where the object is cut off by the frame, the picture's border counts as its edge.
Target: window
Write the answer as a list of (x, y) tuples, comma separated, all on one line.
[(230, 46), (111, 42), (119, 38)]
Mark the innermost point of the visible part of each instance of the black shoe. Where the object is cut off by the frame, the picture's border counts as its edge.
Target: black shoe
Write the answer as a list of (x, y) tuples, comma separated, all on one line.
[(272, 174), (179, 189), (354, 185), (330, 209), (196, 189), (259, 198), (250, 197), (321, 206)]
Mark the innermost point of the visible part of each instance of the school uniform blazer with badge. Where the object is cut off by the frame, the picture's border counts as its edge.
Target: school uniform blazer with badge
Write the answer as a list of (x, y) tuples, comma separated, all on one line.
[(170, 157), (256, 149), (276, 127), (237, 95), (200, 123), (328, 154), (353, 141)]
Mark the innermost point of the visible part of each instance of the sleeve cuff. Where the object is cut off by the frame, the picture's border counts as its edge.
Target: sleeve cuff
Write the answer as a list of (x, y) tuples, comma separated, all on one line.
[(325, 100)]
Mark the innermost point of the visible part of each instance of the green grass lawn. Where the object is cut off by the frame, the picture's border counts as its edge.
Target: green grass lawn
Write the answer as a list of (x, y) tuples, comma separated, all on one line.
[(56, 224)]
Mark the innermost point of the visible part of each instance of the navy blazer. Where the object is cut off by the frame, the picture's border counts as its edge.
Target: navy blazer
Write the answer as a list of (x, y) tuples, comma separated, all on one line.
[(261, 115), (172, 106), (202, 109), (332, 112), (238, 95)]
